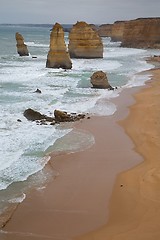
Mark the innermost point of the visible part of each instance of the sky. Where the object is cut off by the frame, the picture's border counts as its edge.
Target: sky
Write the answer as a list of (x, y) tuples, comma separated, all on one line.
[(71, 11)]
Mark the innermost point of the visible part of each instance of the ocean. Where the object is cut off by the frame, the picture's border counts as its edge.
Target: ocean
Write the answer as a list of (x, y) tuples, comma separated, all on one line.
[(24, 145)]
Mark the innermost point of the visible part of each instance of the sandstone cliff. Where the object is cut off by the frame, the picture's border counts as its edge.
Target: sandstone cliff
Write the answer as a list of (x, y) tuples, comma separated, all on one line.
[(117, 31), (58, 56), (142, 33), (21, 47), (84, 42), (105, 30)]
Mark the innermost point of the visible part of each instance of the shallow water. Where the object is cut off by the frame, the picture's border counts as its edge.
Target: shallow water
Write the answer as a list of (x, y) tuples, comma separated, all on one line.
[(24, 144)]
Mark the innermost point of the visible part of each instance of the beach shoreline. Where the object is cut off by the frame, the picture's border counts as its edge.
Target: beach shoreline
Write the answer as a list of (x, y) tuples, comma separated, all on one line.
[(61, 204), (77, 200), (134, 208)]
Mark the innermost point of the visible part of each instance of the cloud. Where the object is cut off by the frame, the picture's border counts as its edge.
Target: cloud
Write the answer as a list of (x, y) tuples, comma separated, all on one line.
[(92, 11)]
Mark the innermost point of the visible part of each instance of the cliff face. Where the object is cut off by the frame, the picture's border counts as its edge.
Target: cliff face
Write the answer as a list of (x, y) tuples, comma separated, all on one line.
[(117, 31), (84, 42), (21, 47), (58, 56), (105, 30), (142, 33)]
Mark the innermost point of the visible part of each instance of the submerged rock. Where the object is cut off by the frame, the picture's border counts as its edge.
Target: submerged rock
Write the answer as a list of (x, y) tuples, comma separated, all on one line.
[(21, 47), (84, 42), (58, 57), (99, 80)]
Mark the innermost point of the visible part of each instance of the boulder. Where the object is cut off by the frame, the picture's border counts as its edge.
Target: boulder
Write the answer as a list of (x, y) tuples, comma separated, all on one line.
[(58, 56), (21, 47), (99, 80), (61, 116), (33, 115), (84, 42)]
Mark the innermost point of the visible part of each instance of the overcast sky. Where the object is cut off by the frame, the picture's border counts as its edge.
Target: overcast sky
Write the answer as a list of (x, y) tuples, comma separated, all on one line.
[(71, 11)]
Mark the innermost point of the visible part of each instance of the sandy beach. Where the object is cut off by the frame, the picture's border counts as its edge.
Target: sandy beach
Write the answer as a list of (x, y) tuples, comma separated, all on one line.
[(100, 188), (135, 207)]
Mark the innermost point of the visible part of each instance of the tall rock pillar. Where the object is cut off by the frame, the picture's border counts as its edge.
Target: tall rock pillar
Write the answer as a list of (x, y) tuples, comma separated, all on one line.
[(58, 57), (21, 47)]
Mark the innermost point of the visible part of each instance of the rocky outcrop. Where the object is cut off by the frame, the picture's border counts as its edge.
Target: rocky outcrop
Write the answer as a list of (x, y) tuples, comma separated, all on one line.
[(99, 80), (21, 47), (142, 33), (33, 115), (59, 116), (58, 56), (84, 42)]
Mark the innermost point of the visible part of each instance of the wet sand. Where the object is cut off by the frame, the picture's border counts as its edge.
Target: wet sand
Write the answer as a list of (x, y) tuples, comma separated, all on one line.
[(135, 207), (81, 198)]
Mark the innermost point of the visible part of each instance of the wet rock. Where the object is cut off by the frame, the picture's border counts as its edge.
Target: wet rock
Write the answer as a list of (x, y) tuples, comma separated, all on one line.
[(61, 116), (99, 80), (38, 91), (33, 115)]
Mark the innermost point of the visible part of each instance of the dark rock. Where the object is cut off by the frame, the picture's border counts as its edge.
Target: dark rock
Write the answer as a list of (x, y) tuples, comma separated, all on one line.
[(38, 91), (19, 120), (33, 115), (61, 116)]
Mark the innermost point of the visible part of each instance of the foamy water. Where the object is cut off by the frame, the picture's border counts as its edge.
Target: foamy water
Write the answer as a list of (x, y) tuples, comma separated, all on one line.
[(24, 144)]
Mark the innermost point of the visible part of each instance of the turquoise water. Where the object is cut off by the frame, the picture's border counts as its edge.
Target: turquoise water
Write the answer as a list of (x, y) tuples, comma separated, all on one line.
[(24, 144)]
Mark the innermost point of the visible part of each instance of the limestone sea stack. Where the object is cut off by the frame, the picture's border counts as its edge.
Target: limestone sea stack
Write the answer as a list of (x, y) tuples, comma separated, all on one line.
[(58, 57), (84, 42), (21, 47), (99, 80)]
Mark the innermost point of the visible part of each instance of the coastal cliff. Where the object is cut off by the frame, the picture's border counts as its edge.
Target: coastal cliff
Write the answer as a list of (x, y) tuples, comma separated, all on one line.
[(84, 42), (21, 47), (142, 33), (58, 56), (138, 33)]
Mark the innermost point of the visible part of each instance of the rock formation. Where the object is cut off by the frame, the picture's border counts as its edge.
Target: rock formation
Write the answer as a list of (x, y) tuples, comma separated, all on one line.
[(142, 33), (105, 30), (58, 56), (117, 31), (33, 115), (84, 42), (21, 47), (99, 80), (59, 116)]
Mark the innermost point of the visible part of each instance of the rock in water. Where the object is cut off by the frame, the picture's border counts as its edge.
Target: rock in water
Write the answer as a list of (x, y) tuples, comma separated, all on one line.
[(84, 42), (21, 47), (99, 80), (58, 57)]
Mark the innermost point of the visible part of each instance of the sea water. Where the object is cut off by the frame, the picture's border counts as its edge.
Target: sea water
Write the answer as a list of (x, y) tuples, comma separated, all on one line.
[(24, 145)]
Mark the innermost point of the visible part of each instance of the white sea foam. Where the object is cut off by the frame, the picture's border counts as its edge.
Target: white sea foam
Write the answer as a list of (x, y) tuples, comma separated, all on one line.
[(18, 199), (34, 44), (24, 143)]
